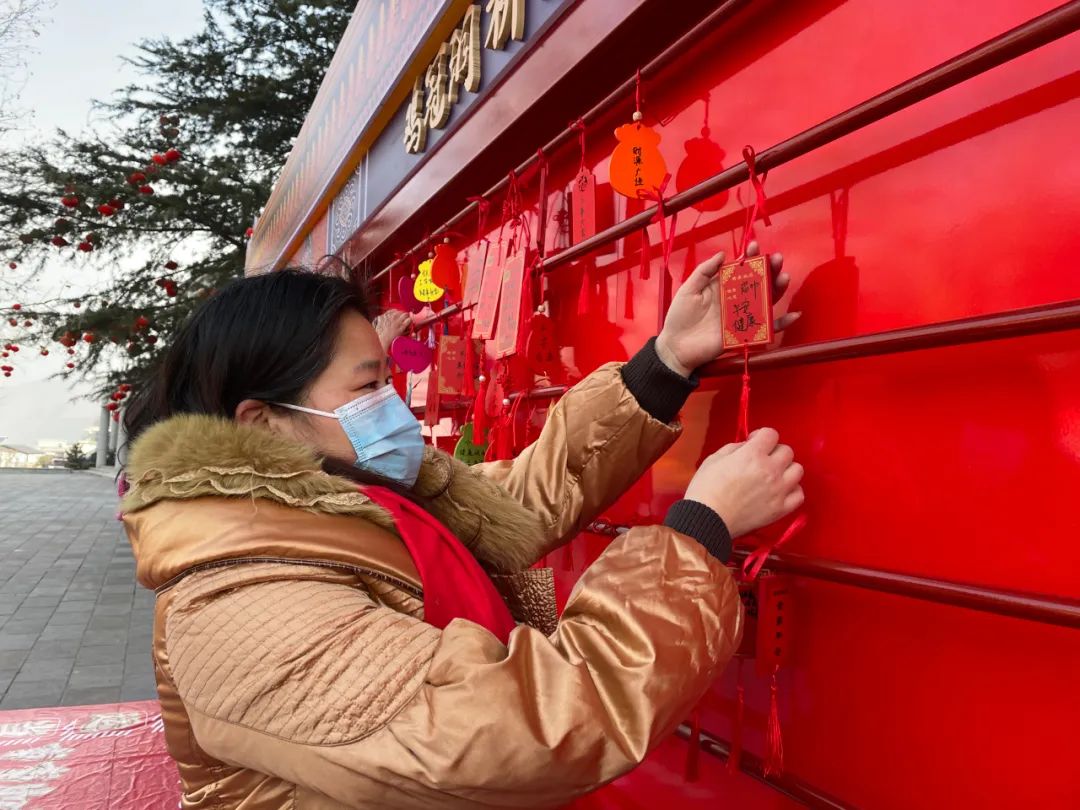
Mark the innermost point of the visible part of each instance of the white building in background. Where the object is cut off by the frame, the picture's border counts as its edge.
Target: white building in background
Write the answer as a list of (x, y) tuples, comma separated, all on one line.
[(19, 455)]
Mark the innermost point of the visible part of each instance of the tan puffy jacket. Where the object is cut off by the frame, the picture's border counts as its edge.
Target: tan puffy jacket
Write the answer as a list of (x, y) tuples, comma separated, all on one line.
[(293, 664)]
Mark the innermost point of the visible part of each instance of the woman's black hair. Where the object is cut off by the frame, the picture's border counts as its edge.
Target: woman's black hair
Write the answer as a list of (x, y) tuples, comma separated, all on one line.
[(264, 337)]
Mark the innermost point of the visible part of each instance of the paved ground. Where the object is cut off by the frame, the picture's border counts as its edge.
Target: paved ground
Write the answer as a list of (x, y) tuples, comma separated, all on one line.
[(74, 627)]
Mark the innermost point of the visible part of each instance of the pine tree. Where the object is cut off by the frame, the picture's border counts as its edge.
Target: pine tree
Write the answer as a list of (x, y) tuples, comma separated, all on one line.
[(149, 211), (75, 460)]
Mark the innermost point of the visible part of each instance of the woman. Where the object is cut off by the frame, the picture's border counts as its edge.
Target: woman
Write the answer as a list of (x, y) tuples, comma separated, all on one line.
[(322, 637)]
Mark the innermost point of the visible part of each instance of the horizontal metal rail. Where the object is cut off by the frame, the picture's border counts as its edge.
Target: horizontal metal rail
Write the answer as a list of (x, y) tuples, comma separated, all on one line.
[(753, 766), (1015, 323), (1061, 611), (1033, 607)]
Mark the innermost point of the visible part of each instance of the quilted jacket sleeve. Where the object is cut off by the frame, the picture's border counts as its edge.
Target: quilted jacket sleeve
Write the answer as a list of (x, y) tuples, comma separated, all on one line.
[(371, 707), (599, 439)]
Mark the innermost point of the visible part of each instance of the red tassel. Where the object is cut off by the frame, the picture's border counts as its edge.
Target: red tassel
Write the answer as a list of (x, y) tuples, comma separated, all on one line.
[(481, 422), (735, 752), (585, 295), (645, 251), (774, 744), (693, 753), (743, 428), (470, 366)]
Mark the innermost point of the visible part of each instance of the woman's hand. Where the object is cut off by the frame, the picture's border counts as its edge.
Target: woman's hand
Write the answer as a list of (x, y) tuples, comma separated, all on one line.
[(750, 484), (391, 324), (691, 334)]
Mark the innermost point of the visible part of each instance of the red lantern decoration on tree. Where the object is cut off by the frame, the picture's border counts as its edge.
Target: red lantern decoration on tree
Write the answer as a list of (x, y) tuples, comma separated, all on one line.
[(106, 210), (141, 323), (248, 233), (44, 352), (171, 265), (70, 201), (170, 288), (71, 365), (28, 323), (12, 265), (13, 322), (89, 337), (158, 159), (151, 339), (16, 307), (148, 190), (71, 351), (173, 155), (60, 241), (85, 247), (77, 304), (136, 178), (116, 203)]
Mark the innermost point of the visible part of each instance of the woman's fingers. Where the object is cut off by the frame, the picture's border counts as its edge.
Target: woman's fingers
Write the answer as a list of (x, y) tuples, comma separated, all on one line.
[(794, 500), (793, 474), (782, 455), (704, 273)]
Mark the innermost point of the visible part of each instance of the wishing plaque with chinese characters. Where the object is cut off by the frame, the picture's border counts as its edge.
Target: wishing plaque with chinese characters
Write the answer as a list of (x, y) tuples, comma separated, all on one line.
[(746, 303)]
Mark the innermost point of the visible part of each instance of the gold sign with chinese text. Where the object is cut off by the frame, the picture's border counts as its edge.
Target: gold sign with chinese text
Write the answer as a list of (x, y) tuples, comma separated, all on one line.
[(457, 66)]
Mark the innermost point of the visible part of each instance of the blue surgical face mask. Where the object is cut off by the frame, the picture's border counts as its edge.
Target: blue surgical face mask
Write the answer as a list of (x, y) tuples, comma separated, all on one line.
[(383, 432)]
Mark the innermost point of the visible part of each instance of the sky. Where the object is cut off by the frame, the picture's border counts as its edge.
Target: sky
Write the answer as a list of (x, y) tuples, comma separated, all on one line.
[(76, 58)]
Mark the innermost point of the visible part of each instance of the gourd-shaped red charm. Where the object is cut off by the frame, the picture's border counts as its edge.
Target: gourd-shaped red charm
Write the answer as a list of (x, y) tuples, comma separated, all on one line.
[(637, 168), (444, 269)]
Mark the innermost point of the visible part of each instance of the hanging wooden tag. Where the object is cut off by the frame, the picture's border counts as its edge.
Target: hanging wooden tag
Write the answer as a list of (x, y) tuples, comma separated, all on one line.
[(410, 354), (748, 596), (513, 283), (541, 350), (746, 303), (474, 273), (637, 166), (583, 206), (773, 645), (431, 400), (488, 305), (424, 288), (451, 365)]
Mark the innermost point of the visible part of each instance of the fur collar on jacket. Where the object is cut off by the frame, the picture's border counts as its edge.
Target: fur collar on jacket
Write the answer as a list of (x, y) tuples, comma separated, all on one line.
[(192, 456)]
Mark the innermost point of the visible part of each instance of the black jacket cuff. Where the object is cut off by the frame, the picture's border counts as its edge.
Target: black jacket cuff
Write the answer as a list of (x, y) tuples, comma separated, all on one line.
[(696, 520), (660, 391)]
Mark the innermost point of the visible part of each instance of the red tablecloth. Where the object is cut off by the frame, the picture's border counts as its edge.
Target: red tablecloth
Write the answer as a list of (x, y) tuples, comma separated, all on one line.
[(108, 757)]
